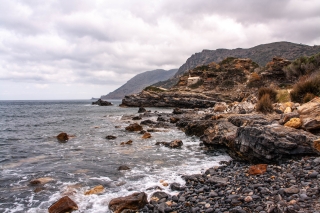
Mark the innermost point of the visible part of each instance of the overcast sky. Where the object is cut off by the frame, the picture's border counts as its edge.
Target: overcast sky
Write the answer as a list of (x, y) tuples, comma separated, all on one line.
[(78, 49)]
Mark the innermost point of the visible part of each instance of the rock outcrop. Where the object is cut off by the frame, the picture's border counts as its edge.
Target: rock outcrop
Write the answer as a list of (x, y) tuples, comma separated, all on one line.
[(310, 114), (134, 201), (101, 102)]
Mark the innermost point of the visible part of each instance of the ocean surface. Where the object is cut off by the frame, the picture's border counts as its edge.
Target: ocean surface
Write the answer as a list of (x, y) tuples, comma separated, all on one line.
[(29, 150)]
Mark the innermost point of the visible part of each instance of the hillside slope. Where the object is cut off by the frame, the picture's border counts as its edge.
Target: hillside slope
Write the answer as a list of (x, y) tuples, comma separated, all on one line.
[(260, 54), (139, 82)]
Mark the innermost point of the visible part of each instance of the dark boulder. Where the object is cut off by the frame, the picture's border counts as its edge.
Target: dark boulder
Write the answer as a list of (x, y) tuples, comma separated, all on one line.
[(123, 167), (134, 202), (65, 204), (63, 137), (172, 144), (141, 110), (197, 128), (110, 137), (134, 127), (102, 103)]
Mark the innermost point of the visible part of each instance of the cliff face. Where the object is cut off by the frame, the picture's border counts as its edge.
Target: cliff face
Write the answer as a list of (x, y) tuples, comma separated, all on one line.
[(260, 54), (139, 82)]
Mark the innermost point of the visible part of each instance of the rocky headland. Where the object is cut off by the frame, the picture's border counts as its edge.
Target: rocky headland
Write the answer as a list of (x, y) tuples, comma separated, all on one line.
[(266, 118)]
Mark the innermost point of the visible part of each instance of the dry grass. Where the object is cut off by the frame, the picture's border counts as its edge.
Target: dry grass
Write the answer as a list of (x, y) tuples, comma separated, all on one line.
[(264, 104), (266, 90), (304, 90)]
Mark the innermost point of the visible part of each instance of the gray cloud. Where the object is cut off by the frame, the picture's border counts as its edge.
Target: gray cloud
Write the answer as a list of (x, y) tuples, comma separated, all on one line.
[(79, 42)]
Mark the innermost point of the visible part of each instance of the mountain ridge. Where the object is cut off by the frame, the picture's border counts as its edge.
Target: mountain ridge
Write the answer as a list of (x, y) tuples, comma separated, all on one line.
[(139, 82)]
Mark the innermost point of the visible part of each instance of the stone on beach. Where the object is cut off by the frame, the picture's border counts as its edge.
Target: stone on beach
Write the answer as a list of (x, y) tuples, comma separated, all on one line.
[(134, 201), (294, 123), (65, 204), (257, 169)]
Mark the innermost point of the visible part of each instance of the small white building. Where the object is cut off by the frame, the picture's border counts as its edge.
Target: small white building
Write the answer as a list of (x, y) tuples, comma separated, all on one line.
[(193, 80)]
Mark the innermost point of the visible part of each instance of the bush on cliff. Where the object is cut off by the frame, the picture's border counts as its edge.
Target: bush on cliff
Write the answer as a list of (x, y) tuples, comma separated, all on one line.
[(255, 80), (266, 90), (196, 85), (305, 90), (153, 89), (264, 104), (303, 66)]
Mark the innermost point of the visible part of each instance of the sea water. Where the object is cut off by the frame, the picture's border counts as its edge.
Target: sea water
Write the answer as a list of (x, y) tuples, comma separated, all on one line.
[(29, 150)]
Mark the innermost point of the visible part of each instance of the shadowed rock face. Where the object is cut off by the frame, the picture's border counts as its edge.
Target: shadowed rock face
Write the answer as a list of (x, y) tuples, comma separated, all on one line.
[(134, 201)]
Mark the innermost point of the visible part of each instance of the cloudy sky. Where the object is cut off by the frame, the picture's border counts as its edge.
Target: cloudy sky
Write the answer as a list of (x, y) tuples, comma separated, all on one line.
[(78, 49)]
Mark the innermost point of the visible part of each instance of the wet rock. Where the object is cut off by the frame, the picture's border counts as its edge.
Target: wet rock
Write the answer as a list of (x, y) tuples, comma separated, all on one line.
[(134, 201), (198, 128), (141, 110), (136, 118), (221, 133), (101, 102), (155, 188), (41, 181), (174, 120), (258, 169), (310, 114), (160, 195), (148, 122), (65, 204), (63, 137), (110, 137), (129, 142), (294, 123), (177, 111), (172, 144), (176, 187), (218, 180), (96, 190), (146, 135), (123, 167), (134, 127)]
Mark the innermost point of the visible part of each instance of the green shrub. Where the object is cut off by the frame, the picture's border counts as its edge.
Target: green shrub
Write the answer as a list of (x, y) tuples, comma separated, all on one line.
[(202, 68), (196, 85), (303, 90), (254, 81), (227, 60), (227, 84), (266, 90), (283, 96), (264, 104), (153, 89)]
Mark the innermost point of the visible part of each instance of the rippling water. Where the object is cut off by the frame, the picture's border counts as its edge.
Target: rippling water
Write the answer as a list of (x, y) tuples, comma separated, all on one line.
[(29, 149)]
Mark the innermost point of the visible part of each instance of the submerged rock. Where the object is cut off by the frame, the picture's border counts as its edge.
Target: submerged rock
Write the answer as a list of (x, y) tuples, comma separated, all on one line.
[(101, 102), (111, 137), (141, 110), (63, 137), (123, 167), (96, 190), (146, 135), (134, 201), (41, 181), (172, 144), (65, 204), (134, 127)]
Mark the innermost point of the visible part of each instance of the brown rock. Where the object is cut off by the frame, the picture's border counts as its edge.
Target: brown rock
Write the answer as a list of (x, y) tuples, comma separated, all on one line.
[(248, 199), (220, 107), (292, 190), (96, 190), (146, 135), (111, 137), (134, 127), (165, 184), (257, 169), (41, 181), (288, 110), (294, 123), (63, 137), (65, 204), (123, 167), (316, 144), (129, 142), (135, 201), (174, 120), (310, 114), (175, 144)]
